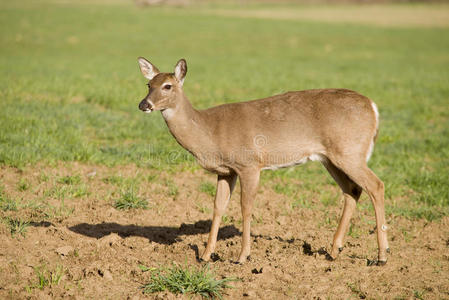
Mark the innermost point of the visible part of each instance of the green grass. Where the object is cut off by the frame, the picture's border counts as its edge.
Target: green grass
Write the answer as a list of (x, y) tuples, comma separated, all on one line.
[(418, 295), (202, 208), (23, 185), (329, 198), (60, 212), (208, 188), (70, 86), (67, 191), (288, 189), (47, 277), (7, 203), (117, 180), (70, 179), (130, 200), (186, 280), (356, 290), (17, 226), (172, 189), (301, 202), (354, 231), (227, 219), (69, 186)]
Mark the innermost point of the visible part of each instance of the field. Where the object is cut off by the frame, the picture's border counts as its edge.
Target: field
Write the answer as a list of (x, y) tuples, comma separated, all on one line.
[(96, 197)]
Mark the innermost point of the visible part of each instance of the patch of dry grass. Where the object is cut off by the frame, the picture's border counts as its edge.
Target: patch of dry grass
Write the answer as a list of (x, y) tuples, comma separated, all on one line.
[(378, 15)]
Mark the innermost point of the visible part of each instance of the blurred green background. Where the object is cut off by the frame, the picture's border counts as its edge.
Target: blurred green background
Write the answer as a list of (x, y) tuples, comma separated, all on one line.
[(70, 84)]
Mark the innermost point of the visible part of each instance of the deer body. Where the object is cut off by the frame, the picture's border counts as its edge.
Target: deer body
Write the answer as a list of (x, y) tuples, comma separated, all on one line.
[(335, 126), (301, 127)]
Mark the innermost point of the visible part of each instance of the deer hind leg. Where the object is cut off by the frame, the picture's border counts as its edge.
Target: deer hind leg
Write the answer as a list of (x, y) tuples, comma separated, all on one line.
[(358, 171), (248, 182), (225, 186), (351, 192)]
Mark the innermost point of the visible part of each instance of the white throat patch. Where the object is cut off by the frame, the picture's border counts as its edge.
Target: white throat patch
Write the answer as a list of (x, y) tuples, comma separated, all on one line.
[(168, 113)]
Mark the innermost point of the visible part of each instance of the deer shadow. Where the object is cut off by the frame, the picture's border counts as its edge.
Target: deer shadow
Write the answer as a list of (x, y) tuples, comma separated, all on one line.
[(159, 234)]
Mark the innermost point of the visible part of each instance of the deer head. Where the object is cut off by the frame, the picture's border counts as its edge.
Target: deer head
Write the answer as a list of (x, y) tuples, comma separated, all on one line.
[(163, 88)]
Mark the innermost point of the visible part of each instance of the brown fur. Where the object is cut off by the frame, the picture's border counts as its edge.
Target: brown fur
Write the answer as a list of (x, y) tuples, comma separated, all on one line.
[(336, 126)]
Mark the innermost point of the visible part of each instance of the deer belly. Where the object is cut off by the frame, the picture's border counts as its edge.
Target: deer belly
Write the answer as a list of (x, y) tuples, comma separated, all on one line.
[(278, 163)]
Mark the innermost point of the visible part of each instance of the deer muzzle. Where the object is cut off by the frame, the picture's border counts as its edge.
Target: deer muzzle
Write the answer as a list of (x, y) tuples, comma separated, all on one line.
[(145, 106)]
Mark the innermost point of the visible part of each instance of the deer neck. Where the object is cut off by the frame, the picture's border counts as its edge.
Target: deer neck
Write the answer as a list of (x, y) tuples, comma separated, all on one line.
[(187, 126)]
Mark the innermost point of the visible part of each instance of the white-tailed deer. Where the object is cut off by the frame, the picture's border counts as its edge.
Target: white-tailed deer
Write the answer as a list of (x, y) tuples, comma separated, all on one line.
[(338, 127)]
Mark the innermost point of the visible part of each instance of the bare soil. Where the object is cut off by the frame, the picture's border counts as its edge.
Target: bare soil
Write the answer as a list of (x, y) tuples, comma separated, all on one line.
[(100, 248)]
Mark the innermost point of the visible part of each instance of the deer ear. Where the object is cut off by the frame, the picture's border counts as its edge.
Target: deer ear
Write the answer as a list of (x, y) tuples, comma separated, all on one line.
[(148, 69), (181, 70)]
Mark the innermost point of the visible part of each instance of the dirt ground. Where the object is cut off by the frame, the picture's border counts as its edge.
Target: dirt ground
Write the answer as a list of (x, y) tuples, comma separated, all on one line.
[(99, 248)]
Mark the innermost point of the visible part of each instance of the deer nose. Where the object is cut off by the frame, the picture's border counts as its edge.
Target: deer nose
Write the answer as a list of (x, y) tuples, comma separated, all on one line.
[(144, 105)]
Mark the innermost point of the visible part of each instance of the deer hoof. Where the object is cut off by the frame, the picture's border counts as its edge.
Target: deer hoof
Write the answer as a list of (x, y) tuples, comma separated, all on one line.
[(381, 262), (334, 254), (329, 257), (204, 258), (243, 259)]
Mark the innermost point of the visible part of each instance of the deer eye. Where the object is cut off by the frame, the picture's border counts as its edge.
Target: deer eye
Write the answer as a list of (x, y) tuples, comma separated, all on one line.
[(167, 87)]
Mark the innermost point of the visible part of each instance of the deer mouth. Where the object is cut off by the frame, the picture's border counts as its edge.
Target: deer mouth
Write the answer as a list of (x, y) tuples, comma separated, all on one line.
[(145, 106)]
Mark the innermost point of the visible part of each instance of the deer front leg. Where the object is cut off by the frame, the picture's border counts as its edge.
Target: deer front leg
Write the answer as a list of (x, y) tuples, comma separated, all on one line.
[(225, 185), (248, 182)]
